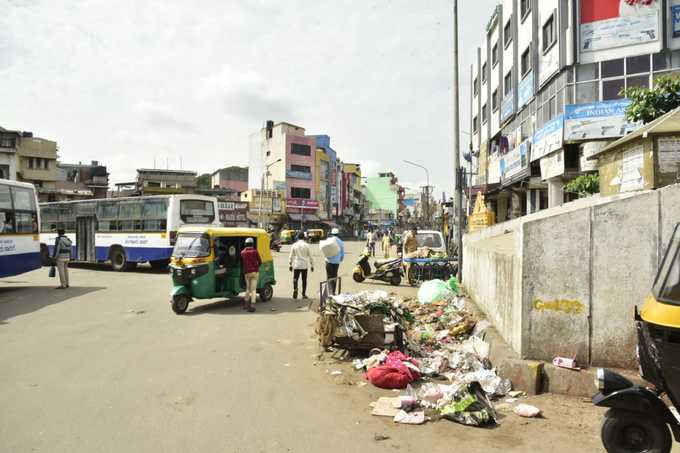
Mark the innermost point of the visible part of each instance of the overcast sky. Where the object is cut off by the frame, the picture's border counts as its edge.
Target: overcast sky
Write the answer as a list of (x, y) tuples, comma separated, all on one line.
[(123, 82)]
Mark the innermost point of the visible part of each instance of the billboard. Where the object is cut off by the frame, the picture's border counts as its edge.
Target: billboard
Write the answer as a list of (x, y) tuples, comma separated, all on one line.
[(552, 165), (515, 161), (675, 19), (609, 24), (507, 106), (548, 138), (597, 120), (525, 90)]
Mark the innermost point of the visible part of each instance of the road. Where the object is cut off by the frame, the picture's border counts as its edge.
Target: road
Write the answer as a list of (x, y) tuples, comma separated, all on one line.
[(106, 366)]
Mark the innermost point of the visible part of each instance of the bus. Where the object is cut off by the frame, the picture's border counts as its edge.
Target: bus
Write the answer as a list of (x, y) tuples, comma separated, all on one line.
[(125, 231), (19, 228)]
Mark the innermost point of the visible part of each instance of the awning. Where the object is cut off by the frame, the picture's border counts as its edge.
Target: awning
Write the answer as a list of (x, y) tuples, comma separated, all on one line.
[(305, 218), (331, 224)]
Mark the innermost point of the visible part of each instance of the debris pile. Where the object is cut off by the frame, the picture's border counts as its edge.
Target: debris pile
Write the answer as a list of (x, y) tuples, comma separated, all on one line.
[(432, 346)]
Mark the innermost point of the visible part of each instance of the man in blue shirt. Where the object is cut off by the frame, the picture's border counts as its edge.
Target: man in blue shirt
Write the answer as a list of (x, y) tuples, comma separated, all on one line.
[(333, 262)]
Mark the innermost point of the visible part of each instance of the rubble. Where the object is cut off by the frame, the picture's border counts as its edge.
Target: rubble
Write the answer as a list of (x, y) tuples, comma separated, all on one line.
[(434, 348)]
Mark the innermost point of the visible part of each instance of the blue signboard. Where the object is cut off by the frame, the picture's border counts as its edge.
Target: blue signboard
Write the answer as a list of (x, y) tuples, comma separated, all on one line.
[(597, 120), (596, 109), (525, 90), (507, 106), (675, 13), (548, 138)]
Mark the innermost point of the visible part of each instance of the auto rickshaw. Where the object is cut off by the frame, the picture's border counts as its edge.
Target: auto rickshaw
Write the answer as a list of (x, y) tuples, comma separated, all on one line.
[(316, 235), (639, 418), (288, 236), (206, 263)]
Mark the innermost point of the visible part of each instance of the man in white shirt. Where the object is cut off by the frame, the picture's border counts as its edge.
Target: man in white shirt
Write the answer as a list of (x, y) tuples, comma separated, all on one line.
[(299, 260)]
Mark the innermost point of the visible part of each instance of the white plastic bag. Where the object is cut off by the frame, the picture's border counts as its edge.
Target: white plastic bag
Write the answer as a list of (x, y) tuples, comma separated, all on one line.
[(527, 410), (434, 291), (329, 247)]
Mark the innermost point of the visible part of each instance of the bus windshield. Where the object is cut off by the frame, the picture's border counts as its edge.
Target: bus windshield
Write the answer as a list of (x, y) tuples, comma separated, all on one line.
[(192, 246), (431, 240), (197, 211)]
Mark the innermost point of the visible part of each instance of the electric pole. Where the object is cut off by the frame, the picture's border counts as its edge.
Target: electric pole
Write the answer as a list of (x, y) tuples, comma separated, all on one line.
[(456, 147)]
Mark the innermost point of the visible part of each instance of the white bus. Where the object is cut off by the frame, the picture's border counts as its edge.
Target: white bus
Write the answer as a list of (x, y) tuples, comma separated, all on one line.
[(19, 228), (124, 231)]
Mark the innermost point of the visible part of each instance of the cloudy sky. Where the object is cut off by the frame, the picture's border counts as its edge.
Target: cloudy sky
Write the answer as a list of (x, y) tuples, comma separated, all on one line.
[(126, 82)]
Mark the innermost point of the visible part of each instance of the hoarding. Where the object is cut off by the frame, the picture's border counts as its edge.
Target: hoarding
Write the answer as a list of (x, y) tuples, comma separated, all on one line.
[(675, 19), (515, 161), (609, 24), (597, 120), (494, 169), (548, 139), (507, 106), (302, 203), (552, 165), (525, 90)]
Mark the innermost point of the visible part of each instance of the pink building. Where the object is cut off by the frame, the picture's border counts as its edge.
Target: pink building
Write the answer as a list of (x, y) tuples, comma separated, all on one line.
[(234, 178)]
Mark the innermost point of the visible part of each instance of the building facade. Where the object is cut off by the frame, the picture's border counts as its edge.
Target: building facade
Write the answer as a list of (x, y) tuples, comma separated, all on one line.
[(547, 91), (156, 181), (234, 178), (79, 181), (384, 197)]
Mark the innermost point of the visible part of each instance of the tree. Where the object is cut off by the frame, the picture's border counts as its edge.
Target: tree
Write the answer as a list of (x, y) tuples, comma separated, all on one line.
[(649, 104), (204, 181), (584, 185)]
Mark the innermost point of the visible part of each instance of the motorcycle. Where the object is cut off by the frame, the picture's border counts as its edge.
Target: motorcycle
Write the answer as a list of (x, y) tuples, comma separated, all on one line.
[(389, 270), (639, 419)]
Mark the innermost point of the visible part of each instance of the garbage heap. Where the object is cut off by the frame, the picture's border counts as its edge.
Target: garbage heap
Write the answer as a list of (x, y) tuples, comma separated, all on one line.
[(432, 347)]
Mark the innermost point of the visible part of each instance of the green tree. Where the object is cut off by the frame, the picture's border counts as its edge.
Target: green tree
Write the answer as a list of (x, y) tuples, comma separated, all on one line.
[(584, 185), (649, 104), (204, 181)]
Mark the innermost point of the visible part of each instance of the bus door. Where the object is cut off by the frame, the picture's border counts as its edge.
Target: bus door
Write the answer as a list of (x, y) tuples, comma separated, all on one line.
[(85, 230)]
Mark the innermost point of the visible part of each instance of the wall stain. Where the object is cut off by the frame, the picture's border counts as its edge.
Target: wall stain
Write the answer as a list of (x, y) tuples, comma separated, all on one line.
[(572, 307)]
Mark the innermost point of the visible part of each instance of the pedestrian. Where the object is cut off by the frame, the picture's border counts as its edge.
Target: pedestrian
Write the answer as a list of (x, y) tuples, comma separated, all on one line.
[(62, 255), (370, 242), (299, 260), (386, 245), (333, 262), (250, 262)]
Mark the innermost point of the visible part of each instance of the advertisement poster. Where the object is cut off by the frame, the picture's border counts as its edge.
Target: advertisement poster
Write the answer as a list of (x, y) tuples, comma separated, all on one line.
[(525, 90), (494, 170), (597, 120), (675, 20), (608, 24), (548, 138), (631, 170), (515, 161), (548, 64), (669, 154), (507, 107), (552, 165)]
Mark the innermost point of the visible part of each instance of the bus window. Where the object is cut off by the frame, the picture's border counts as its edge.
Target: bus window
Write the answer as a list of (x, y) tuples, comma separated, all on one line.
[(23, 199), (6, 222), (155, 215), (5, 198), (86, 209), (197, 211), (26, 222), (49, 216), (107, 215), (130, 215)]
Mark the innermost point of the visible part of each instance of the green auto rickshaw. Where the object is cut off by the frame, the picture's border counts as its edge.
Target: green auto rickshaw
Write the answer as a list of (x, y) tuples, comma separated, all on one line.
[(206, 264)]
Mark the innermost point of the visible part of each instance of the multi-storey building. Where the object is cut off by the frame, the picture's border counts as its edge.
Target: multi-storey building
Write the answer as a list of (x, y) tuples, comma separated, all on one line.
[(352, 196), (383, 198), (77, 181), (157, 181), (547, 91), (326, 177), (234, 178)]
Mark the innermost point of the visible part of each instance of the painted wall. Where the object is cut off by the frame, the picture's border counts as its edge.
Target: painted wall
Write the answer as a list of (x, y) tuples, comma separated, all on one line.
[(618, 169), (381, 194), (294, 159)]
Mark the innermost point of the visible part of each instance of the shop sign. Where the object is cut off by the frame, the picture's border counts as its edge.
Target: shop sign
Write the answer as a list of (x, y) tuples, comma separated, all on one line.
[(507, 106), (597, 120), (525, 90), (302, 203), (515, 161), (298, 174), (609, 24), (552, 165), (548, 139)]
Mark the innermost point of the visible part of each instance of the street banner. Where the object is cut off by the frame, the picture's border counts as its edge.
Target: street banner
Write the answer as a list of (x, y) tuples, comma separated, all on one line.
[(548, 139), (609, 24), (525, 90), (507, 106)]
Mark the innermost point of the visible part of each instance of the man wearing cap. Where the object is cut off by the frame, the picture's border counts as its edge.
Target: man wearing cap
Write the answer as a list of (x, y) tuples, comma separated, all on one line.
[(250, 263), (333, 262)]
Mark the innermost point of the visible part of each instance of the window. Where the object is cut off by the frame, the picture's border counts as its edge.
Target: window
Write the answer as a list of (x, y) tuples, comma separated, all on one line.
[(107, 216), (525, 8), (494, 100), (300, 192), (268, 153), (507, 32), (7, 141), (6, 222), (484, 114), (155, 215), (475, 87), (667, 286), (612, 68), (641, 81), (300, 150), (586, 72), (659, 62), (192, 246), (484, 73), (611, 89), (301, 168), (130, 215), (494, 55), (197, 211), (475, 124), (45, 164), (549, 35), (507, 83), (526, 61), (637, 65), (26, 222)]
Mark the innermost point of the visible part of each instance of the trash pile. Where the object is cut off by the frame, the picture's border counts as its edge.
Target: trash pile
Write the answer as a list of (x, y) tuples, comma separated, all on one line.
[(432, 347)]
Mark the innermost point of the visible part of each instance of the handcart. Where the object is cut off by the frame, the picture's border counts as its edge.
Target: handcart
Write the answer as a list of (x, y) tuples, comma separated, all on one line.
[(423, 269)]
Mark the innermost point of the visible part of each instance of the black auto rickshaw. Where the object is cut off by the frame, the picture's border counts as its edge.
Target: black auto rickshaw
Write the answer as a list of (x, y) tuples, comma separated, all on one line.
[(639, 418)]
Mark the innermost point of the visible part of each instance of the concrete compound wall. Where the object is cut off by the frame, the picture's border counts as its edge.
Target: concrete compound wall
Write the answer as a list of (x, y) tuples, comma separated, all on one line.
[(565, 281)]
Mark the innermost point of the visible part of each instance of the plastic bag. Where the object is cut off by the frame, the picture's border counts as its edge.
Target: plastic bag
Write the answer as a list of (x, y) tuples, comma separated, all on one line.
[(527, 410), (434, 291), (453, 285), (329, 247), (470, 407), (53, 272)]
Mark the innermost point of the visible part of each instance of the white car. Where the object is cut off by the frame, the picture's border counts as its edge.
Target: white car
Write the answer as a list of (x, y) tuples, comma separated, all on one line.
[(434, 240)]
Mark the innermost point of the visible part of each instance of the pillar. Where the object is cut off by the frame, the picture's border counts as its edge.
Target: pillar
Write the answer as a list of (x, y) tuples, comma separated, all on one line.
[(555, 192)]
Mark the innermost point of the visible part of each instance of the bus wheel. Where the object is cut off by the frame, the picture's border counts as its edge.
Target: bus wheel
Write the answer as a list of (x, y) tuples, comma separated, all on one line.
[(266, 293), (118, 259), (180, 303), (45, 255)]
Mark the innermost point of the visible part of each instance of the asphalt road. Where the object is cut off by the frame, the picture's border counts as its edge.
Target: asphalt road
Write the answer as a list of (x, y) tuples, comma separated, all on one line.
[(106, 366)]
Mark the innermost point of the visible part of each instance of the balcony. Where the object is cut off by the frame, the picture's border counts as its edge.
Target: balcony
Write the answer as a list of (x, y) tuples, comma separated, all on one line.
[(33, 174)]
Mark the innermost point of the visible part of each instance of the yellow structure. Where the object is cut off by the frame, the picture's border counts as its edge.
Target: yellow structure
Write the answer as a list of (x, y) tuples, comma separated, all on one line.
[(481, 217)]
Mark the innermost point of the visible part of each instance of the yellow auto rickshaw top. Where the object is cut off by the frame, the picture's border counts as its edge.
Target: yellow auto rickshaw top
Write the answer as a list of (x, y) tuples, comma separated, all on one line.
[(660, 314), (263, 246)]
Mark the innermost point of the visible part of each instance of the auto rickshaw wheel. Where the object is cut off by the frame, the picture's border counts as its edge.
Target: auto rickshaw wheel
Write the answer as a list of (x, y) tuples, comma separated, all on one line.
[(395, 280), (358, 277), (180, 303), (629, 432), (267, 292)]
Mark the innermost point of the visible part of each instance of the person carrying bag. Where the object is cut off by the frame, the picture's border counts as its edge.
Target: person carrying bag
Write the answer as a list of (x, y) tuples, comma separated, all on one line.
[(61, 256)]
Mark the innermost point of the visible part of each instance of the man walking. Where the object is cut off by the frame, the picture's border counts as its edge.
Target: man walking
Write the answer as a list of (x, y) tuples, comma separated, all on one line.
[(62, 256), (299, 260), (370, 242), (250, 262), (333, 262)]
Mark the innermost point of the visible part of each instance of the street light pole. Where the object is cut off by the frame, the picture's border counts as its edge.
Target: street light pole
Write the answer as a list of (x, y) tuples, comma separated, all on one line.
[(427, 189), (456, 145)]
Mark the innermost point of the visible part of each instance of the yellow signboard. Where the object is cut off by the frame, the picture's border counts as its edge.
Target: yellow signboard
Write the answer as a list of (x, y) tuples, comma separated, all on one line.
[(481, 217)]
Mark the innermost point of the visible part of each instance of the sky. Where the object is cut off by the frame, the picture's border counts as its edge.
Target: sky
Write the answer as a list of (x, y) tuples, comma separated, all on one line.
[(132, 83)]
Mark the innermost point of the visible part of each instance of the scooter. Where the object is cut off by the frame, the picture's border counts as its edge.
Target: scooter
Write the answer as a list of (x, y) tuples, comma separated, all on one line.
[(389, 270)]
